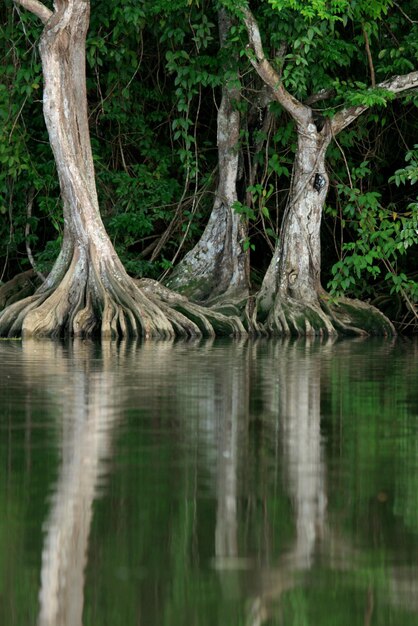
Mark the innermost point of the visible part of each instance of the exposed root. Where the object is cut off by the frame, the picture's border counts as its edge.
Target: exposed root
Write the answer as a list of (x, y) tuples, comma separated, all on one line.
[(289, 317), (99, 298), (354, 317), (13, 316), (210, 321), (325, 318), (19, 287)]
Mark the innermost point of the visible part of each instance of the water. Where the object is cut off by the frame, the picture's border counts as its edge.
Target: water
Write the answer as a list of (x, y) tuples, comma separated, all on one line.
[(214, 483)]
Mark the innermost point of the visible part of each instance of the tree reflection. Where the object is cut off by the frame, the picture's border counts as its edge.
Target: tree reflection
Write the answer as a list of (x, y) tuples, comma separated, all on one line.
[(295, 404), (253, 478), (231, 415), (86, 424), (321, 542), (300, 418)]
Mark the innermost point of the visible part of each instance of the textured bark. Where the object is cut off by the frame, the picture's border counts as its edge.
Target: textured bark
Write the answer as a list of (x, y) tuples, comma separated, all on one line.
[(218, 265), (291, 300), (295, 271), (88, 291)]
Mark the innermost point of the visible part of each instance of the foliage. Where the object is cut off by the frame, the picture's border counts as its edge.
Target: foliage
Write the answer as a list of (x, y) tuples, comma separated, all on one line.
[(383, 238), (147, 123), (258, 214), (25, 156)]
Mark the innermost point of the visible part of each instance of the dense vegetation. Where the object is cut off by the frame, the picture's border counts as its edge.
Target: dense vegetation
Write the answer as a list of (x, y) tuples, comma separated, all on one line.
[(155, 75)]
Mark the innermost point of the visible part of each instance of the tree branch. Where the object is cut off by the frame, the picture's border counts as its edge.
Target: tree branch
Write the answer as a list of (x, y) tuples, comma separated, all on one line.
[(300, 113), (396, 84), (37, 8), (323, 94), (405, 14)]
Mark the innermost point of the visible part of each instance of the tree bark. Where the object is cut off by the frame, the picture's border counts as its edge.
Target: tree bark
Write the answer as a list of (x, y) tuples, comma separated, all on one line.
[(88, 290), (295, 270), (218, 265)]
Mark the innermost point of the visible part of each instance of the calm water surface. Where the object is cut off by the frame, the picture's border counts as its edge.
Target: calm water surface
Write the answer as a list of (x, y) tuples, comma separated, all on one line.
[(204, 484)]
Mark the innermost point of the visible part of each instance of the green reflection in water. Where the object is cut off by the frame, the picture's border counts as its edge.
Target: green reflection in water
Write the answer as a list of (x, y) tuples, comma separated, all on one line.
[(209, 483)]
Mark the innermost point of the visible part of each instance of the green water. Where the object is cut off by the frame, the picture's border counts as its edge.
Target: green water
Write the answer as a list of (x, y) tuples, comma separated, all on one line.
[(204, 484)]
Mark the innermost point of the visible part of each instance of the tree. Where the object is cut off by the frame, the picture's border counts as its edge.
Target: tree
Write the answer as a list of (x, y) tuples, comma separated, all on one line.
[(88, 290), (291, 299), (218, 265)]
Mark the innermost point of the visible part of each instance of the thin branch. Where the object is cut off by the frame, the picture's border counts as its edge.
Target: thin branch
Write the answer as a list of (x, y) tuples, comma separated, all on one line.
[(300, 113), (37, 8), (17, 117), (406, 16), (345, 162), (396, 84), (369, 56), (323, 94)]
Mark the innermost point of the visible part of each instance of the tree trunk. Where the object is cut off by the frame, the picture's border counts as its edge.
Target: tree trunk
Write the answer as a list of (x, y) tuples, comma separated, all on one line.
[(294, 272), (291, 300), (218, 265), (88, 290)]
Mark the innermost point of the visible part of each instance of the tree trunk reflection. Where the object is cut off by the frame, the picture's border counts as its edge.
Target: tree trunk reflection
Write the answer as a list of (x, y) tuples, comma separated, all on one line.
[(296, 405), (231, 416), (221, 507), (85, 430), (300, 377)]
